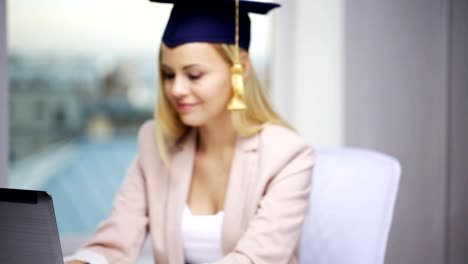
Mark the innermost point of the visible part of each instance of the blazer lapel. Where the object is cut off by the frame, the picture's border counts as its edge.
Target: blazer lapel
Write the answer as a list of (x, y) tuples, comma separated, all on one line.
[(179, 184), (244, 167)]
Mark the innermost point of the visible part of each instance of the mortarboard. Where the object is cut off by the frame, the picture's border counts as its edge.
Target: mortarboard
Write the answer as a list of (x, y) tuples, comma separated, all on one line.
[(210, 21), (215, 21)]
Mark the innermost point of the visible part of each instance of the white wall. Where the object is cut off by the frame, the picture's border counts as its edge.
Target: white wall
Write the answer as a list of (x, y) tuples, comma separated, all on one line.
[(307, 68), (406, 94)]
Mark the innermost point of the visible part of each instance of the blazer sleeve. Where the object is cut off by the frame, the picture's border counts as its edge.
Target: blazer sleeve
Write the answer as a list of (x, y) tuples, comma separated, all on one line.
[(120, 238), (274, 232)]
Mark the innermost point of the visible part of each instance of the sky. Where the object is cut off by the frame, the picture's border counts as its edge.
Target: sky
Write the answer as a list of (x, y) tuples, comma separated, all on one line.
[(99, 26)]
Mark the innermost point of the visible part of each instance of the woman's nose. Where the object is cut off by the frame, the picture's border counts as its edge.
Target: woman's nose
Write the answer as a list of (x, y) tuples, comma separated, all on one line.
[(179, 87)]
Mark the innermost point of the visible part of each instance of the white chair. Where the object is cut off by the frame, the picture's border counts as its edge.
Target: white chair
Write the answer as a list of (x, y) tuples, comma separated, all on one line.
[(351, 207)]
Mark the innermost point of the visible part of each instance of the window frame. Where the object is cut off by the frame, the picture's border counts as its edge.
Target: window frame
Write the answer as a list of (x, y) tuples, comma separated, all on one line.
[(4, 148)]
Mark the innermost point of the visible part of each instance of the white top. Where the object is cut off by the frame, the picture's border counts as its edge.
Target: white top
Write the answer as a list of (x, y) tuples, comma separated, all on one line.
[(202, 237)]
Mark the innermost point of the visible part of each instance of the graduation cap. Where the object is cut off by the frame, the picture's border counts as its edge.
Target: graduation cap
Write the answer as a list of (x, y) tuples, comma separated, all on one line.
[(215, 21), (211, 21)]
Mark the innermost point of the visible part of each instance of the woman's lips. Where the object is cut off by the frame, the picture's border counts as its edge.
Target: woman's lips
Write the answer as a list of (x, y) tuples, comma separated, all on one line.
[(185, 107)]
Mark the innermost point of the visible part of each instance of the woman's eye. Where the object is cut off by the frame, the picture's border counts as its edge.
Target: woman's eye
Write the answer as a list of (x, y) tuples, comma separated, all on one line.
[(194, 77), (168, 76)]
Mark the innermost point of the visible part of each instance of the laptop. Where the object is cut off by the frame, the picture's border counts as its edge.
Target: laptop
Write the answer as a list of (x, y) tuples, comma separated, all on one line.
[(28, 229)]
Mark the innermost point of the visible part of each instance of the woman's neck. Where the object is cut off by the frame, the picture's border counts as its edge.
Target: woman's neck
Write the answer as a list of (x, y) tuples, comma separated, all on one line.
[(216, 138)]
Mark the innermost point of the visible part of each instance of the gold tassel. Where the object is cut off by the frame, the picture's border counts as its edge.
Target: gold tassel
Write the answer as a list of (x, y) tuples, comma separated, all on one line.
[(237, 82)]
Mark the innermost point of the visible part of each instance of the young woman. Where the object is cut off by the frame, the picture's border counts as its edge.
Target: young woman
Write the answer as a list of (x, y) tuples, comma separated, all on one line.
[(209, 184)]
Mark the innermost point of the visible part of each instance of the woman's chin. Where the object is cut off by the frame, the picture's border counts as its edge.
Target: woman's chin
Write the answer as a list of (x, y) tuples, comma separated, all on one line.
[(191, 121)]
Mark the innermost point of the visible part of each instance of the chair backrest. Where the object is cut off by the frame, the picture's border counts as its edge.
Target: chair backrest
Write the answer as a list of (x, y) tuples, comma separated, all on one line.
[(351, 207)]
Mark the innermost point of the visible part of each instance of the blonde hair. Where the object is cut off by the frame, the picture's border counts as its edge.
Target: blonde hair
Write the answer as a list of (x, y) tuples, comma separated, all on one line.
[(170, 129)]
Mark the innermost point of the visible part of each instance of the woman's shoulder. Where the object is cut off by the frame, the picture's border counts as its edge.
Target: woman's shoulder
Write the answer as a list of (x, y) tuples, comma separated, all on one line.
[(147, 130), (147, 145), (277, 136), (281, 147), (280, 144)]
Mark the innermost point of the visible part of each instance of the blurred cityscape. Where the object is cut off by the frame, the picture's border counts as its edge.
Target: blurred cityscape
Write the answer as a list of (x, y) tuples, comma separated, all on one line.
[(73, 127), (55, 99)]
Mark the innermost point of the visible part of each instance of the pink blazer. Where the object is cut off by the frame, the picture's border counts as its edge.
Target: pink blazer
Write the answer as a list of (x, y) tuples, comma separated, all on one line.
[(265, 206)]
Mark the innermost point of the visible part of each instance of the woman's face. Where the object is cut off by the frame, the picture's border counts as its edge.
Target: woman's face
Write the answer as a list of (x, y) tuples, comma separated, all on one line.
[(197, 82)]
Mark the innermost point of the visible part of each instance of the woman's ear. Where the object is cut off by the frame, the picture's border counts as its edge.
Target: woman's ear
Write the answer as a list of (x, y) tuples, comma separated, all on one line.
[(246, 64)]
